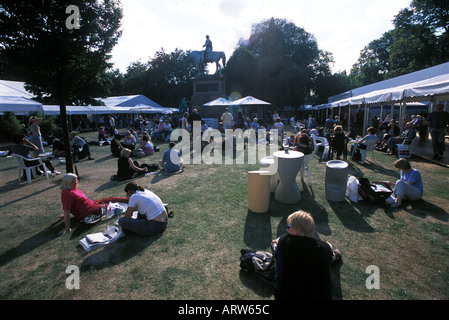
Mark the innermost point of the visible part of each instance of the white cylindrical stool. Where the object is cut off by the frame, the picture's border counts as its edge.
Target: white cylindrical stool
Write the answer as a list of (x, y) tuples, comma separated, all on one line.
[(258, 191), (267, 164), (336, 180), (288, 165)]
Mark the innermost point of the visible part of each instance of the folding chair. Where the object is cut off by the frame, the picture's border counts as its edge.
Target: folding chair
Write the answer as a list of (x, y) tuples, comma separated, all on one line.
[(318, 142), (370, 144), (31, 169)]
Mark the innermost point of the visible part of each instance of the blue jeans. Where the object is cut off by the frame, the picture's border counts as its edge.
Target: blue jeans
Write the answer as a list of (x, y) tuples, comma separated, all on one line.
[(142, 227)]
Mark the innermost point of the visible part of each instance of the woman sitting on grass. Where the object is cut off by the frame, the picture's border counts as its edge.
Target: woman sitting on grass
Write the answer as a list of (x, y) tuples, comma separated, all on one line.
[(152, 215), (410, 185), (126, 167), (75, 202)]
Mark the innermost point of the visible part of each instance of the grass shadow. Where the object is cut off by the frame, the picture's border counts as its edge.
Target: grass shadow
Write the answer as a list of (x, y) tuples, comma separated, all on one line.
[(27, 195), (351, 218), (257, 232), (423, 209), (32, 243)]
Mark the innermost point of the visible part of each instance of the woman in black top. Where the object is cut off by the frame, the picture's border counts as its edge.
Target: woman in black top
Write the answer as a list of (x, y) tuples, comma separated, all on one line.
[(126, 167)]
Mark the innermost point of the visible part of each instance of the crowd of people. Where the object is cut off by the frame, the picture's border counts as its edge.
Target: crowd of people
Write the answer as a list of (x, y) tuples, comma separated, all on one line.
[(302, 261)]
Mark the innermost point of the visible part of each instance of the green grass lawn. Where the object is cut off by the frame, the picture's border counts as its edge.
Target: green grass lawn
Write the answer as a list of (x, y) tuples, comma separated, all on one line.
[(197, 257)]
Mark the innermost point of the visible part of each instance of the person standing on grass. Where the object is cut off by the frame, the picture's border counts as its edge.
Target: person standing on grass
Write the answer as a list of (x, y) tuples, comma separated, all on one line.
[(36, 137), (152, 216), (227, 119), (438, 123), (75, 202), (410, 185)]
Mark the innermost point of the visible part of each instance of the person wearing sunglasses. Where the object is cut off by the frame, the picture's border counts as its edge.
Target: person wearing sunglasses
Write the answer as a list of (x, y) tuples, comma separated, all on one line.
[(302, 262)]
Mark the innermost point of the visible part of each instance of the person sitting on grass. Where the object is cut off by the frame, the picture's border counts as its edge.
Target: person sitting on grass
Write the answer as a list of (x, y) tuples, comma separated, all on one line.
[(129, 141), (116, 146), (152, 216), (75, 202), (22, 146), (147, 145), (127, 167), (80, 149), (171, 159), (302, 262), (410, 185)]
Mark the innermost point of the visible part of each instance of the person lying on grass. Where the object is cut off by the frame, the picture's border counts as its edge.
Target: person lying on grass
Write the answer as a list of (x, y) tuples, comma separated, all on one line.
[(75, 202)]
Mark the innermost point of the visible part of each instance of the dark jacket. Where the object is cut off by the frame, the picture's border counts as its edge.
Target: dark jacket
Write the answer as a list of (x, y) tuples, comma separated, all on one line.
[(302, 268)]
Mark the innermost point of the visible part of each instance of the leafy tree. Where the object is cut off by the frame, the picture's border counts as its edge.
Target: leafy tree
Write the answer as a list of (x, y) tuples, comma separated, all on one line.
[(168, 77), (283, 61), (419, 40), (373, 64), (53, 55), (240, 69)]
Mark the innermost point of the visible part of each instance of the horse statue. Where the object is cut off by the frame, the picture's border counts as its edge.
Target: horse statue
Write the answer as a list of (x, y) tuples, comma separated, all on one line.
[(212, 57)]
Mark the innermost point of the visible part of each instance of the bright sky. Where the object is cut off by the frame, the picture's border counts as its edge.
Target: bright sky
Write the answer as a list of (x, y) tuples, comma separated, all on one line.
[(342, 27)]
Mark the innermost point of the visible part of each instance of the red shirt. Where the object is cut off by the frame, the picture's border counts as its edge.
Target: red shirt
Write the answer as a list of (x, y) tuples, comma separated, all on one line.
[(77, 203)]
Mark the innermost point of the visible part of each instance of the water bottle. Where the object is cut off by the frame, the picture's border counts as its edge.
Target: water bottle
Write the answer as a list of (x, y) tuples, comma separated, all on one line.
[(109, 213)]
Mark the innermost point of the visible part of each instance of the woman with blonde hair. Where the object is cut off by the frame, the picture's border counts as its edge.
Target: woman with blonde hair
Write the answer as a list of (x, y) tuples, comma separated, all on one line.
[(127, 167), (302, 261), (75, 202)]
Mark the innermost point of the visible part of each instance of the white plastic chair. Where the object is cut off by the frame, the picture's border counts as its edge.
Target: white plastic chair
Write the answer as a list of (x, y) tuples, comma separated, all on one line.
[(21, 163), (370, 144), (305, 166), (318, 142)]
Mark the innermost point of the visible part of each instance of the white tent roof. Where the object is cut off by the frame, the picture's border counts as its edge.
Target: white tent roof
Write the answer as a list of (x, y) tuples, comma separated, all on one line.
[(143, 108), (406, 79), (417, 91), (19, 104), (248, 101), (53, 110), (14, 89), (129, 101), (218, 102)]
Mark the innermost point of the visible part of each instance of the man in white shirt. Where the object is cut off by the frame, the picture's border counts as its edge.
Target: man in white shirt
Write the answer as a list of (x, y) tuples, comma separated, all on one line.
[(227, 119)]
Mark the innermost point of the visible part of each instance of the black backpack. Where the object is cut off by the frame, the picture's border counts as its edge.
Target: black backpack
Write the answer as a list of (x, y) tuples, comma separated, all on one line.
[(260, 263), (368, 191)]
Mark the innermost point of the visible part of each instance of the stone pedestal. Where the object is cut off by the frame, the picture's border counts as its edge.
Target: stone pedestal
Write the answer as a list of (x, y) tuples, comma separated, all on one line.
[(205, 89)]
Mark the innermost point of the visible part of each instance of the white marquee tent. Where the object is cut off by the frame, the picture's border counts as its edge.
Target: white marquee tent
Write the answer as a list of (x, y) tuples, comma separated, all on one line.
[(19, 104), (432, 86)]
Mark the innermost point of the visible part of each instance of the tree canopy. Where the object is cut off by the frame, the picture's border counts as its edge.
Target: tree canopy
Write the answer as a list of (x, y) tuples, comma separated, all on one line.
[(54, 54), (418, 40), (280, 63)]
